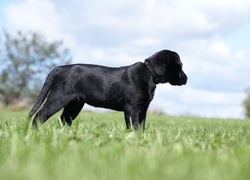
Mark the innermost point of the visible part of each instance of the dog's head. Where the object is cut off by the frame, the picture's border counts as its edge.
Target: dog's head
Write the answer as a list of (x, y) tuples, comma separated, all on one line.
[(167, 64)]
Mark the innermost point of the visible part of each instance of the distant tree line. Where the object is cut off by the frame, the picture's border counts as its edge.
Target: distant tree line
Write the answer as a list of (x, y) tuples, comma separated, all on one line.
[(246, 104), (25, 60)]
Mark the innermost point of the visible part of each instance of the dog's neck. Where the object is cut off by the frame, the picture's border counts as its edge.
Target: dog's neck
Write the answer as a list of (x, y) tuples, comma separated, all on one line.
[(156, 77)]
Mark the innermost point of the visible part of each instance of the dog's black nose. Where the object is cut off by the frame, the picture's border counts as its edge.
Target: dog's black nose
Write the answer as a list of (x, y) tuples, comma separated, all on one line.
[(184, 78)]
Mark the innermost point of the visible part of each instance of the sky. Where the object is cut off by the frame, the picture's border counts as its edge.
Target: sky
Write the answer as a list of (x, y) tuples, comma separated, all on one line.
[(212, 38)]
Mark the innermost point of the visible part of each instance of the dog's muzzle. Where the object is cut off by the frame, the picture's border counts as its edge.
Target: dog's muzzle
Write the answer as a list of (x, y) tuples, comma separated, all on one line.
[(181, 80)]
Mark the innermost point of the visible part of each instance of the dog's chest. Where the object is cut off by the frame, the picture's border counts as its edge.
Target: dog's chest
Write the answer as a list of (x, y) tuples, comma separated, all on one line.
[(152, 93)]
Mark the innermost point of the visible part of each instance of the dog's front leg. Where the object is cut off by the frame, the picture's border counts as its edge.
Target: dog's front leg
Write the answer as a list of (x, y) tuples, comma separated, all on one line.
[(142, 118), (133, 116), (135, 120)]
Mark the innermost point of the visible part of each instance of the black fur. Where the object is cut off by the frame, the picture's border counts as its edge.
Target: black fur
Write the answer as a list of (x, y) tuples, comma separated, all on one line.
[(129, 88)]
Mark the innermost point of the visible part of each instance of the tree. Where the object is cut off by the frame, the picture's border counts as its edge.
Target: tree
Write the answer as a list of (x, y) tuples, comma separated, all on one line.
[(247, 104), (26, 59)]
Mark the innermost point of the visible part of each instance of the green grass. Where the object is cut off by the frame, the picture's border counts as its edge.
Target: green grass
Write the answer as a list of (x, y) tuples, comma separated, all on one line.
[(97, 146)]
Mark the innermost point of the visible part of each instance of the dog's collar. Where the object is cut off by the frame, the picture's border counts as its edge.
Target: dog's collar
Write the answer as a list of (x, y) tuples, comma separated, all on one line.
[(156, 77)]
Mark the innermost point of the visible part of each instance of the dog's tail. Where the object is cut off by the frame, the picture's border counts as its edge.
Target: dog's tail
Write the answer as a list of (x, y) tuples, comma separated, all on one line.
[(43, 94)]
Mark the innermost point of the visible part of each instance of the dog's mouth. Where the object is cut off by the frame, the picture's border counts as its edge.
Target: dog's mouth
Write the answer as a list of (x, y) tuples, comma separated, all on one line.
[(180, 80), (179, 83)]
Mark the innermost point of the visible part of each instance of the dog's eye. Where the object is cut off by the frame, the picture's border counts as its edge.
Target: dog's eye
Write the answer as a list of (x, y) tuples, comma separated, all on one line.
[(177, 67)]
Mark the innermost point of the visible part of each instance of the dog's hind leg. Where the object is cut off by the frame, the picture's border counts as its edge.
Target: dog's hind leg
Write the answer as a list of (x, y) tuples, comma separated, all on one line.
[(71, 111), (53, 104)]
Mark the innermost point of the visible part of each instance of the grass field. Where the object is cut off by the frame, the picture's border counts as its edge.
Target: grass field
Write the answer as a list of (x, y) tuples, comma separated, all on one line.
[(97, 147)]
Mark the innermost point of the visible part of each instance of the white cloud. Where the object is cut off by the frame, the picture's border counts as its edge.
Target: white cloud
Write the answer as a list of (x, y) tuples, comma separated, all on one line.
[(122, 32), (40, 16), (34, 15), (192, 101)]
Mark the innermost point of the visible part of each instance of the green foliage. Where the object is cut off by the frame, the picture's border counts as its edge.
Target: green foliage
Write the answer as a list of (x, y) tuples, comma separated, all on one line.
[(26, 59), (247, 105), (97, 146)]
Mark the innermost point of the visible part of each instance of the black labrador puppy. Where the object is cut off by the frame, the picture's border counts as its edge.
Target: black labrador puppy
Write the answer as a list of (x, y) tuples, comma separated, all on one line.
[(129, 88)]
